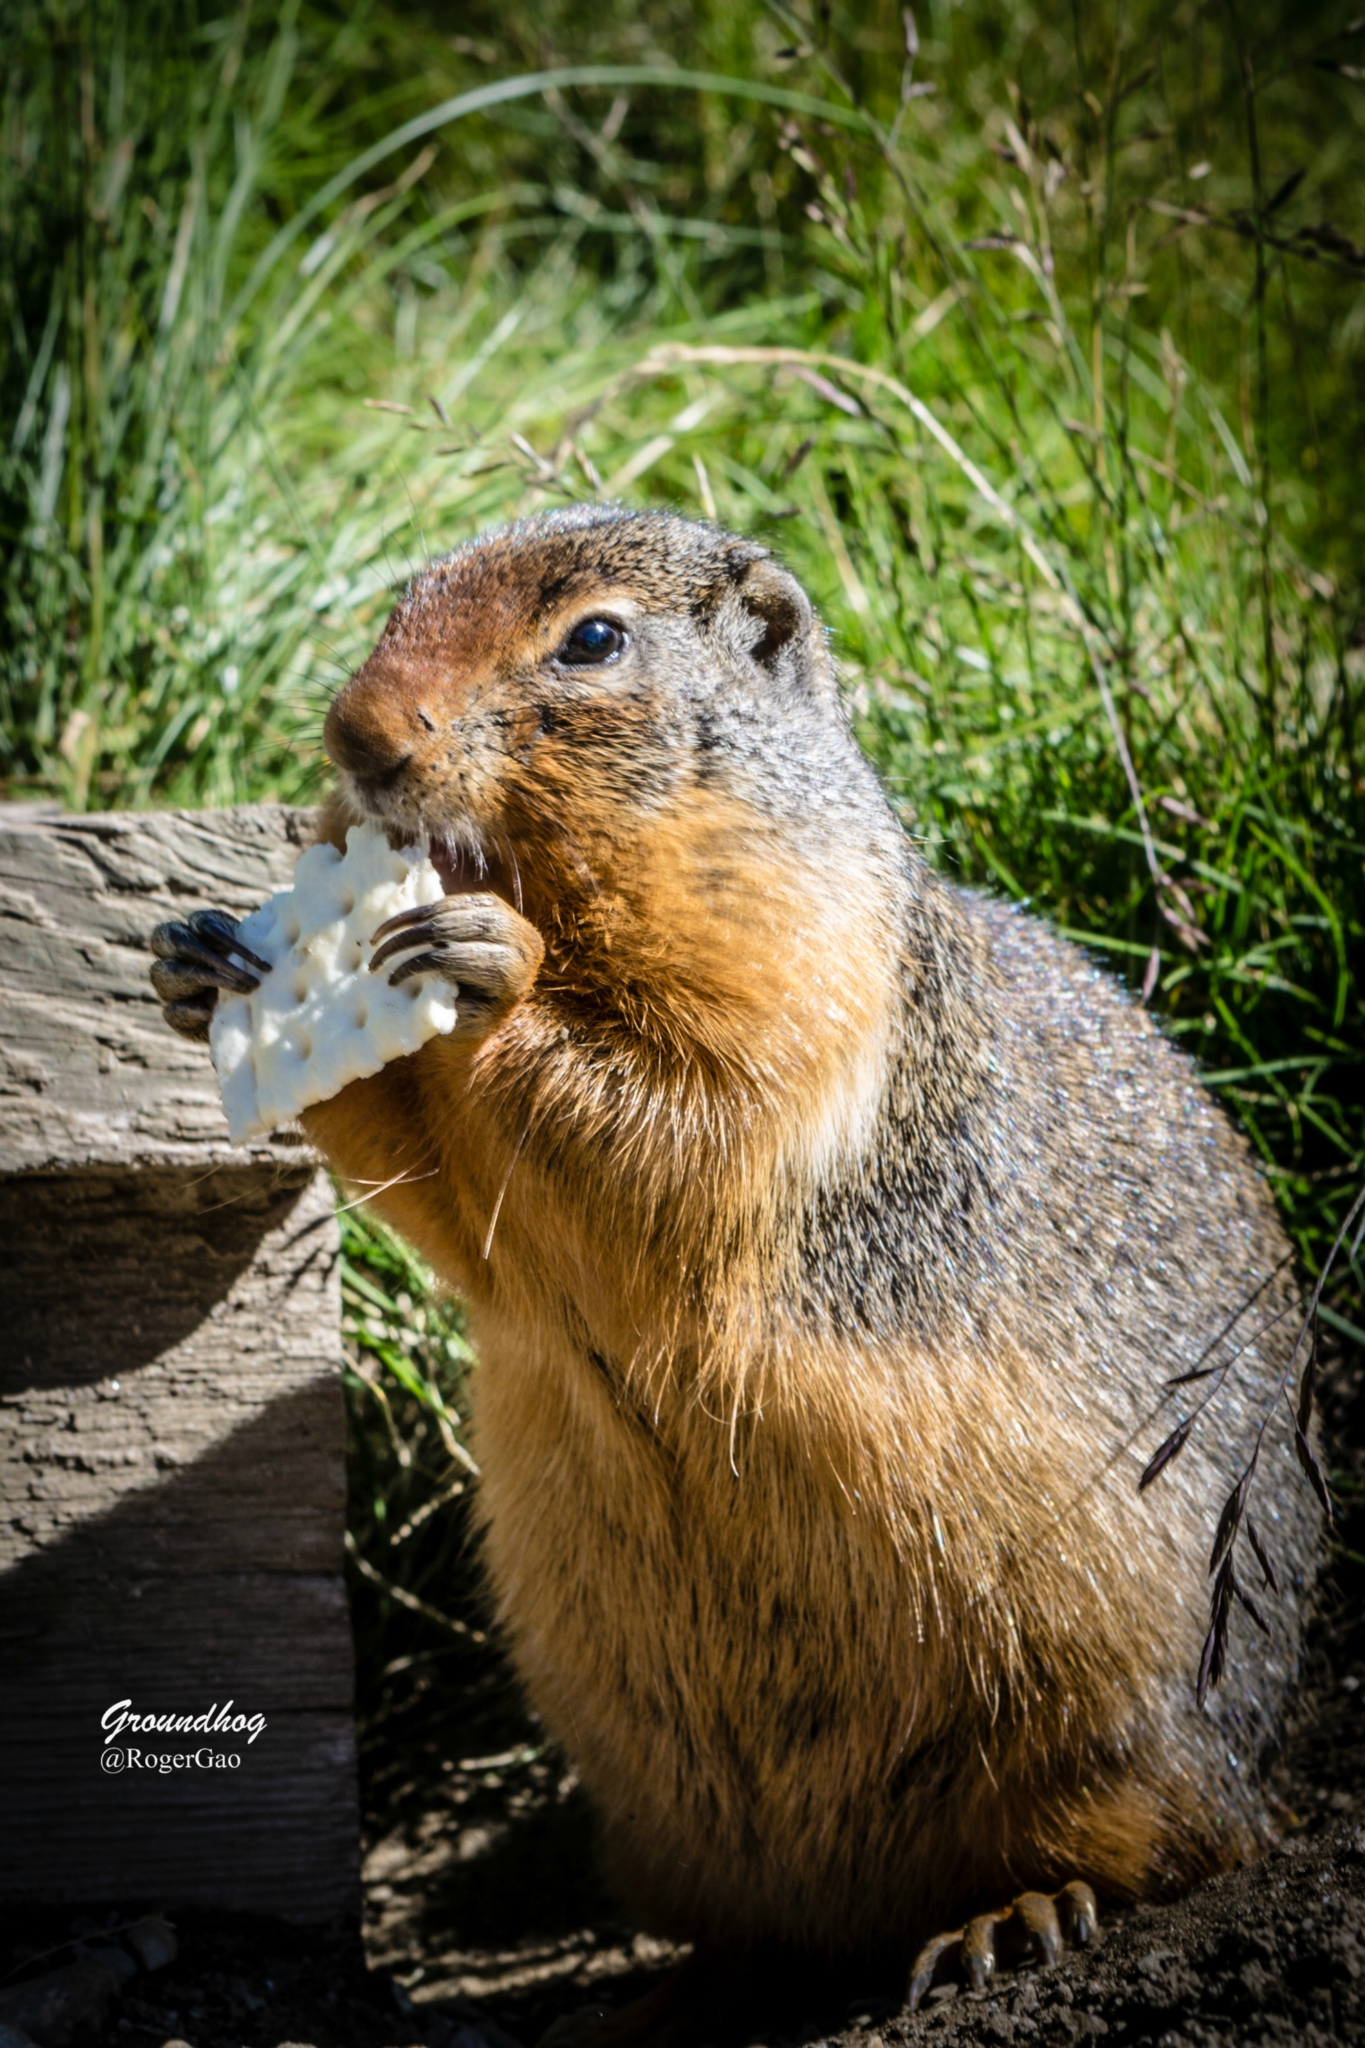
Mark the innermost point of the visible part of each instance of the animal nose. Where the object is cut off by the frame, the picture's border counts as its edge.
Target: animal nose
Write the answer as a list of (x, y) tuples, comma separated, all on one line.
[(366, 731)]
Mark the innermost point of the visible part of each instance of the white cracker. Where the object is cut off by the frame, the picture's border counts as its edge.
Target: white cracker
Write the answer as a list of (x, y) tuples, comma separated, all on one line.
[(320, 1019)]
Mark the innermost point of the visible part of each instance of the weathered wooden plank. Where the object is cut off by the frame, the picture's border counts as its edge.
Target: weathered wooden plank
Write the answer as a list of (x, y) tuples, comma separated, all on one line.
[(190, 1368), (89, 1073), (172, 1486)]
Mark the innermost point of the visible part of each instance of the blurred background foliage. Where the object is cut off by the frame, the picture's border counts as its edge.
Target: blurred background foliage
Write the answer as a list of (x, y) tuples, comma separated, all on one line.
[(1031, 338)]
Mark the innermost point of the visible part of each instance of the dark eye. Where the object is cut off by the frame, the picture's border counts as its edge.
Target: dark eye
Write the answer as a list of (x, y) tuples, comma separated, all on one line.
[(592, 640)]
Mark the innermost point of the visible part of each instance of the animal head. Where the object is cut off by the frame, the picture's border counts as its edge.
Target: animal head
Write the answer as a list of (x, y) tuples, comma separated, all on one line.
[(553, 690)]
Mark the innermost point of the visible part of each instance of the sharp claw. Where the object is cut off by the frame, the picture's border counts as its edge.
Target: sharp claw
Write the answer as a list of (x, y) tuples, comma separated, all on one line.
[(404, 941), (178, 945), (1079, 1914), (404, 921), (920, 1980), (180, 978), (978, 1951), (925, 1965), (219, 934), (1038, 1914), (424, 963)]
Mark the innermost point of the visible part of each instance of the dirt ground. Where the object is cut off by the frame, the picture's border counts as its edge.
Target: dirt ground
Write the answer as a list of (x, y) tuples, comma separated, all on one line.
[(486, 1925)]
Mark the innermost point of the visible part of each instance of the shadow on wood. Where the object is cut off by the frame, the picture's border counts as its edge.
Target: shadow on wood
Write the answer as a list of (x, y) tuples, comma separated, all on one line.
[(172, 1486)]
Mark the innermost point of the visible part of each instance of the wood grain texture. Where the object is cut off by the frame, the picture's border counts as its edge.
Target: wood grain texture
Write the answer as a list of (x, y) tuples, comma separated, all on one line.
[(172, 1484), (89, 1073)]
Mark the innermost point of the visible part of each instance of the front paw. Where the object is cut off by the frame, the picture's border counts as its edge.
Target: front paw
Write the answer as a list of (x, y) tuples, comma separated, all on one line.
[(193, 961), (478, 942)]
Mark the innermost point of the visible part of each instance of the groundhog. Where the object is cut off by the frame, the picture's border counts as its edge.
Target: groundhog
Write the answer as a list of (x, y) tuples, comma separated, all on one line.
[(831, 1235)]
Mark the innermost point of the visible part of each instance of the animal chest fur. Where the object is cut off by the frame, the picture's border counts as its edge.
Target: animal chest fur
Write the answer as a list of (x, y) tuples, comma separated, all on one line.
[(738, 1650)]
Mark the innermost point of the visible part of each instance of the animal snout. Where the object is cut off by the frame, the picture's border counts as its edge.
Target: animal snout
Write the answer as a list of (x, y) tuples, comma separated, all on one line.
[(371, 730)]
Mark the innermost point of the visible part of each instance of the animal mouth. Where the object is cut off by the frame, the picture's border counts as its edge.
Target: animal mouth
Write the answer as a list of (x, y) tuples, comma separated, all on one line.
[(458, 868), (464, 872), (465, 869)]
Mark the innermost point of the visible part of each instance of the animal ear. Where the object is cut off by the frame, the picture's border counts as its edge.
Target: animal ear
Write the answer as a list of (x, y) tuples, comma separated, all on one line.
[(781, 610)]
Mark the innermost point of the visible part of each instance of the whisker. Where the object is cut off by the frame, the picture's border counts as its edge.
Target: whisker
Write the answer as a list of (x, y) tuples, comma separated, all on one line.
[(375, 1187), (497, 1206)]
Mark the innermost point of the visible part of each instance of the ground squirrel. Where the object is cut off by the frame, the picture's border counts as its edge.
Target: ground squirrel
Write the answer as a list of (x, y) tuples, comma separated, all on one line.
[(829, 1234)]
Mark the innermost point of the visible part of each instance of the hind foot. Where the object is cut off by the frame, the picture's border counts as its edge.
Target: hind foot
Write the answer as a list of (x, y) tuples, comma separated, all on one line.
[(1035, 1927)]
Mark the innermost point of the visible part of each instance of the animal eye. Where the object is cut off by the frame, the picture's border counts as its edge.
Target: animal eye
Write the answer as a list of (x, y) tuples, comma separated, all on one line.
[(591, 640)]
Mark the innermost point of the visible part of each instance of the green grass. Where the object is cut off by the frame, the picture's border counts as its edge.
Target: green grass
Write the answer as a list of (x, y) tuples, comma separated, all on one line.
[(1058, 427)]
